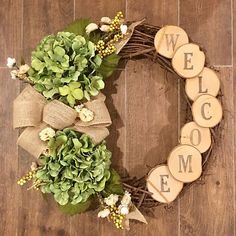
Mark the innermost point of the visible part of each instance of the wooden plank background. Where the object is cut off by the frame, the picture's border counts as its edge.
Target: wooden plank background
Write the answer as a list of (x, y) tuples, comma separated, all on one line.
[(146, 110)]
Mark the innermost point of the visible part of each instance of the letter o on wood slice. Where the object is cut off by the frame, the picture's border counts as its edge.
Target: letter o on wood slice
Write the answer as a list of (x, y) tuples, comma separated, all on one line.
[(196, 136), (168, 39), (185, 163), (161, 183), (207, 82), (188, 60), (207, 111)]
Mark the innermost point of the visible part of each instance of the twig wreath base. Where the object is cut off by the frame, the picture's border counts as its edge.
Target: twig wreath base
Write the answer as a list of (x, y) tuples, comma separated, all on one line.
[(65, 118), (141, 46)]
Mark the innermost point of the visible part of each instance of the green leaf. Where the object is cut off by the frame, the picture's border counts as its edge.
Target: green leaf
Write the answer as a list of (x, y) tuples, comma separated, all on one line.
[(71, 100), (76, 209), (99, 84), (74, 85), (114, 184), (64, 90), (62, 198), (39, 87), (78, 94), (50, 93), (59, 51), (109, 64), (37, 64), (56, 69), (78, 27)]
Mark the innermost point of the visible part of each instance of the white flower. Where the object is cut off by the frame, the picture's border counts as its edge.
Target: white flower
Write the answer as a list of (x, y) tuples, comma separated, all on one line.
[(23, 69), (106, 20), (123, 209), (111, 200), (104, 213), (91, 27), (79, 107), (14, 74), (105, 28), (11, 62), (126, 200), (123, 29), (46, 134), (86, 115), (33, 166)]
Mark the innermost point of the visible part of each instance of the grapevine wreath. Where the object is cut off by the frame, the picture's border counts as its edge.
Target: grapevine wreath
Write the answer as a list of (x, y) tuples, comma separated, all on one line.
[(65, 119)]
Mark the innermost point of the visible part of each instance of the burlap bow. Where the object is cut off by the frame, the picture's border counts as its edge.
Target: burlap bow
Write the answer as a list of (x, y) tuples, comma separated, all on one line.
[(33, 112)]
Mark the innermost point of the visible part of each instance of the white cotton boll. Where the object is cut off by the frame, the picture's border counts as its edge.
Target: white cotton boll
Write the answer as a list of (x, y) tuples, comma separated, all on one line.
[(123, 209), (11, 62), (123, 29), (126, 200), (14, 74), (111, 200), (46, 134), (86, 115), (104, 213), (106, 20), (91, 27), (105, 28), (23, 69)]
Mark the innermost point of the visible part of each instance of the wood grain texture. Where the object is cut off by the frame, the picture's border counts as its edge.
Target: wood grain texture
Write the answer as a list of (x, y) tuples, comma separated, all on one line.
[(41, 18), (151, 118), (9, 193), (212, 195), (143, 103), (209, 24), (10, 28)]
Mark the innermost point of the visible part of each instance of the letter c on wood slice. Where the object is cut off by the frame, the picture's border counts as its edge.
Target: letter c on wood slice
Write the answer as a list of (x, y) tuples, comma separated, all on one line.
[(207, 82), (162, 185), (188, 60), (207, 111), (168, 39), (185, 163), (194, 135)]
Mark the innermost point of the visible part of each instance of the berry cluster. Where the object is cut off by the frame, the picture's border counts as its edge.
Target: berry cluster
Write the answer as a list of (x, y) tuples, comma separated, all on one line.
[(116, 22), (105, 49), (27, 177), (116, 217)]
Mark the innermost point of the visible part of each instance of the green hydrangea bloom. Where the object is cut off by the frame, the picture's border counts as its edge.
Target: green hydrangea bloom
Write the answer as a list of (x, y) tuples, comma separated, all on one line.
[(75, 169), (65, 67)]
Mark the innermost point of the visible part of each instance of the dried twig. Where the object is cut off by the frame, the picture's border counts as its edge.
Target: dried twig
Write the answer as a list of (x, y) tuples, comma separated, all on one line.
[(141, 45)]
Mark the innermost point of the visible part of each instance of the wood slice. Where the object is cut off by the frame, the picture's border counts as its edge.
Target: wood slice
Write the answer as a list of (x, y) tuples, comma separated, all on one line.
[(196, 136), (207, 111), (207, 82), (188, 60), (161, 183), (168, 39), (185, 163)]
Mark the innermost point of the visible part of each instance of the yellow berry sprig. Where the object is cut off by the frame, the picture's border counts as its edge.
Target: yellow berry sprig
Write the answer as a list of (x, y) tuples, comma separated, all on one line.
[(105, 49), (116, 22), (116, 217), (27, 177)]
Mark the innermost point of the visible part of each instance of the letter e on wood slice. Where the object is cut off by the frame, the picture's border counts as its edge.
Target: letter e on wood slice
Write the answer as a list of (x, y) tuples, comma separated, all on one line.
[(161, 183), (185, 163), (168, 39), (207, 82), (207, 111), (188, 60), (196, 136)]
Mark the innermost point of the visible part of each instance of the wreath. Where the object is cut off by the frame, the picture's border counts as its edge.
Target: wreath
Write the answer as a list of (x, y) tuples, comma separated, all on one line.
[(65, 119)]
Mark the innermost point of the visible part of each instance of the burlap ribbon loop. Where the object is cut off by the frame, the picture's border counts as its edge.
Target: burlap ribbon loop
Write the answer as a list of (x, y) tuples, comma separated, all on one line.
[(32, 112)]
